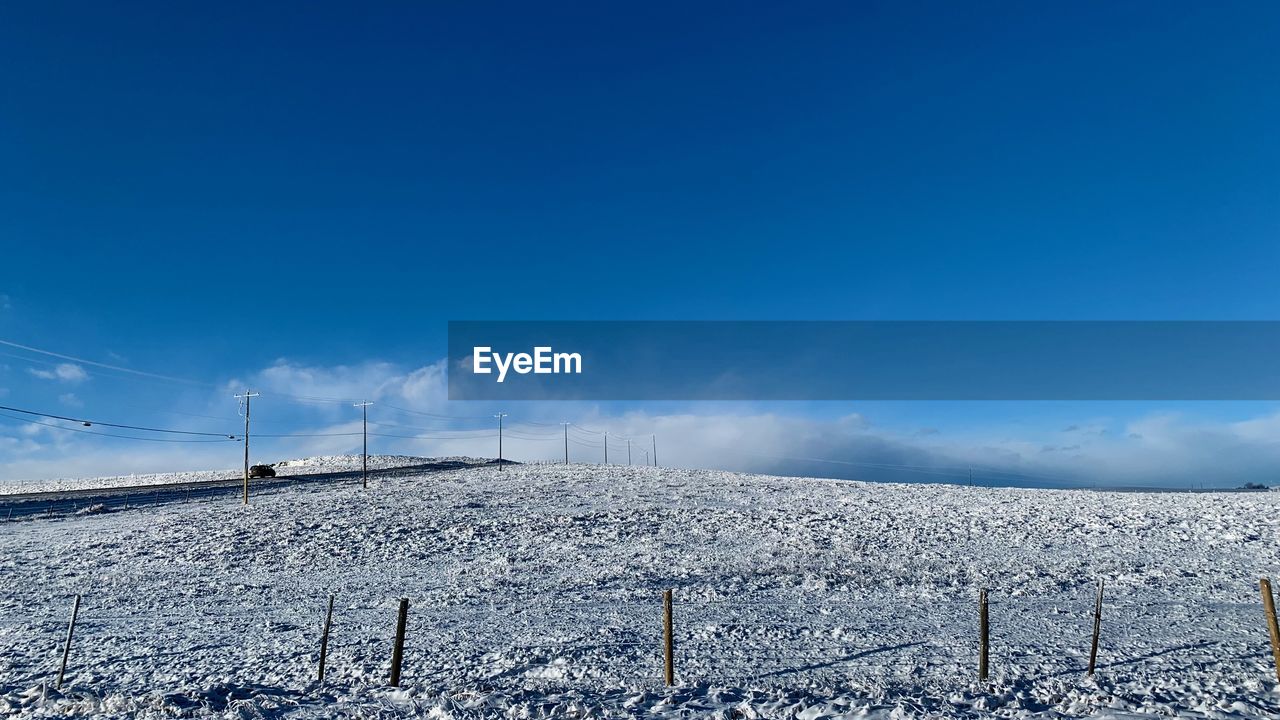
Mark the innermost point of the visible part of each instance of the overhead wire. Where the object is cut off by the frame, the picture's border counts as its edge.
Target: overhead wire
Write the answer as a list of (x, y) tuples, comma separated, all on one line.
[(529, 431), (114, 435), (94, 363), (114, 425), (434, 415)]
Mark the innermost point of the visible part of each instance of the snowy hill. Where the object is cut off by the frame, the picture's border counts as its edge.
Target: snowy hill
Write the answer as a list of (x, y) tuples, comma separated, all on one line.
[(318, 464), (536, 591)]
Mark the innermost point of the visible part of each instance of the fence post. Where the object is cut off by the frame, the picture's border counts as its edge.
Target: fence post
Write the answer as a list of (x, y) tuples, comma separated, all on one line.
[(397, 653), (324, 638), (1097, 629), (66, 648), (668, 641), (984, 633), (1269, 605)]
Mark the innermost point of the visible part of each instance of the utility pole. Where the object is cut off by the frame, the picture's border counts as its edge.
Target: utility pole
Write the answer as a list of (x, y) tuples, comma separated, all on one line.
[(566, 442), (606, 447), (364, 456), (655, 450), (500, 416), (245, 397), (628, 452)]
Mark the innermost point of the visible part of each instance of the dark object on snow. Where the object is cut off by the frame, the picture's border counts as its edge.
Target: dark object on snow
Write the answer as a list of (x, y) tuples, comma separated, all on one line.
[(262, 471)]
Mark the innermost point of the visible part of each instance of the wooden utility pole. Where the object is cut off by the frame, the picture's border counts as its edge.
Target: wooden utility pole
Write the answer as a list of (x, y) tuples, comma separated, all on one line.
[(566, 442), (245, 397), (500, 416), (1269, 605), (364, 455), (628, 452), (606, 447), (655, 450), (1097, 629)]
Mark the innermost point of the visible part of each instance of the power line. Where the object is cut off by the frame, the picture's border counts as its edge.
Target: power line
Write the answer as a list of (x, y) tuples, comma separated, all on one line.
[(117, 368), (308, 435), (435, 429), (531, 438), (436, 415), (114, 435), (531, 435), (88, 423), (428, 437), (587, 430)]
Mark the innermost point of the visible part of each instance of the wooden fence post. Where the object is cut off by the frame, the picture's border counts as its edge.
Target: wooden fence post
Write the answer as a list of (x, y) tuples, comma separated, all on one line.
[(1097, 629), (1269, 605), (397, 653), (324, 638), (668, 641), (66, 648), (984, 633)]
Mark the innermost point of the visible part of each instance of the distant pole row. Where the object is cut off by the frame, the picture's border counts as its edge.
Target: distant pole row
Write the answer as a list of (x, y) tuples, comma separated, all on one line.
[(247, 395)]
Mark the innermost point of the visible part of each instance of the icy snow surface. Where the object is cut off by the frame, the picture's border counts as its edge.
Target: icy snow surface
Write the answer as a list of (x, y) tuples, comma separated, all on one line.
[(536, 591)]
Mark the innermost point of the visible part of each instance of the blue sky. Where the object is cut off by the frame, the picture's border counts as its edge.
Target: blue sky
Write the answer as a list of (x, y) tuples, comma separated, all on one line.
[(213, 192)]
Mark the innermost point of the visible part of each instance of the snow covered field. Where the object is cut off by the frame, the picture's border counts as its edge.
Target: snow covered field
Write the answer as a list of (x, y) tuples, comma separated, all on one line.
[(536, 591), (318, 464)]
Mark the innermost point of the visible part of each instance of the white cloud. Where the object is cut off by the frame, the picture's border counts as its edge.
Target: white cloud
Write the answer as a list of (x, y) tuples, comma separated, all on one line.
[(70, 400), (423, 388), (1158, 449), (1169, 450), (64, 372)]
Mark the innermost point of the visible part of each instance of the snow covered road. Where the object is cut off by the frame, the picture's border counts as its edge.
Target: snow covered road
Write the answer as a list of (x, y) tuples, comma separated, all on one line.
[(536, 591)]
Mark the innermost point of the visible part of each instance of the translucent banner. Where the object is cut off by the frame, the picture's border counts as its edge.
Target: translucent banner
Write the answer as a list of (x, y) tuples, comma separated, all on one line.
[(864, 360)]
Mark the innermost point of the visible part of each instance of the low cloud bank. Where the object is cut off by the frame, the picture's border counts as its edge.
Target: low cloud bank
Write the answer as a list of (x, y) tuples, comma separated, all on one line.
[(313, 402)]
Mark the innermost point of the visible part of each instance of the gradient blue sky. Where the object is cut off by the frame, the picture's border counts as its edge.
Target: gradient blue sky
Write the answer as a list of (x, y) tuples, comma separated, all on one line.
[(212, 191)]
